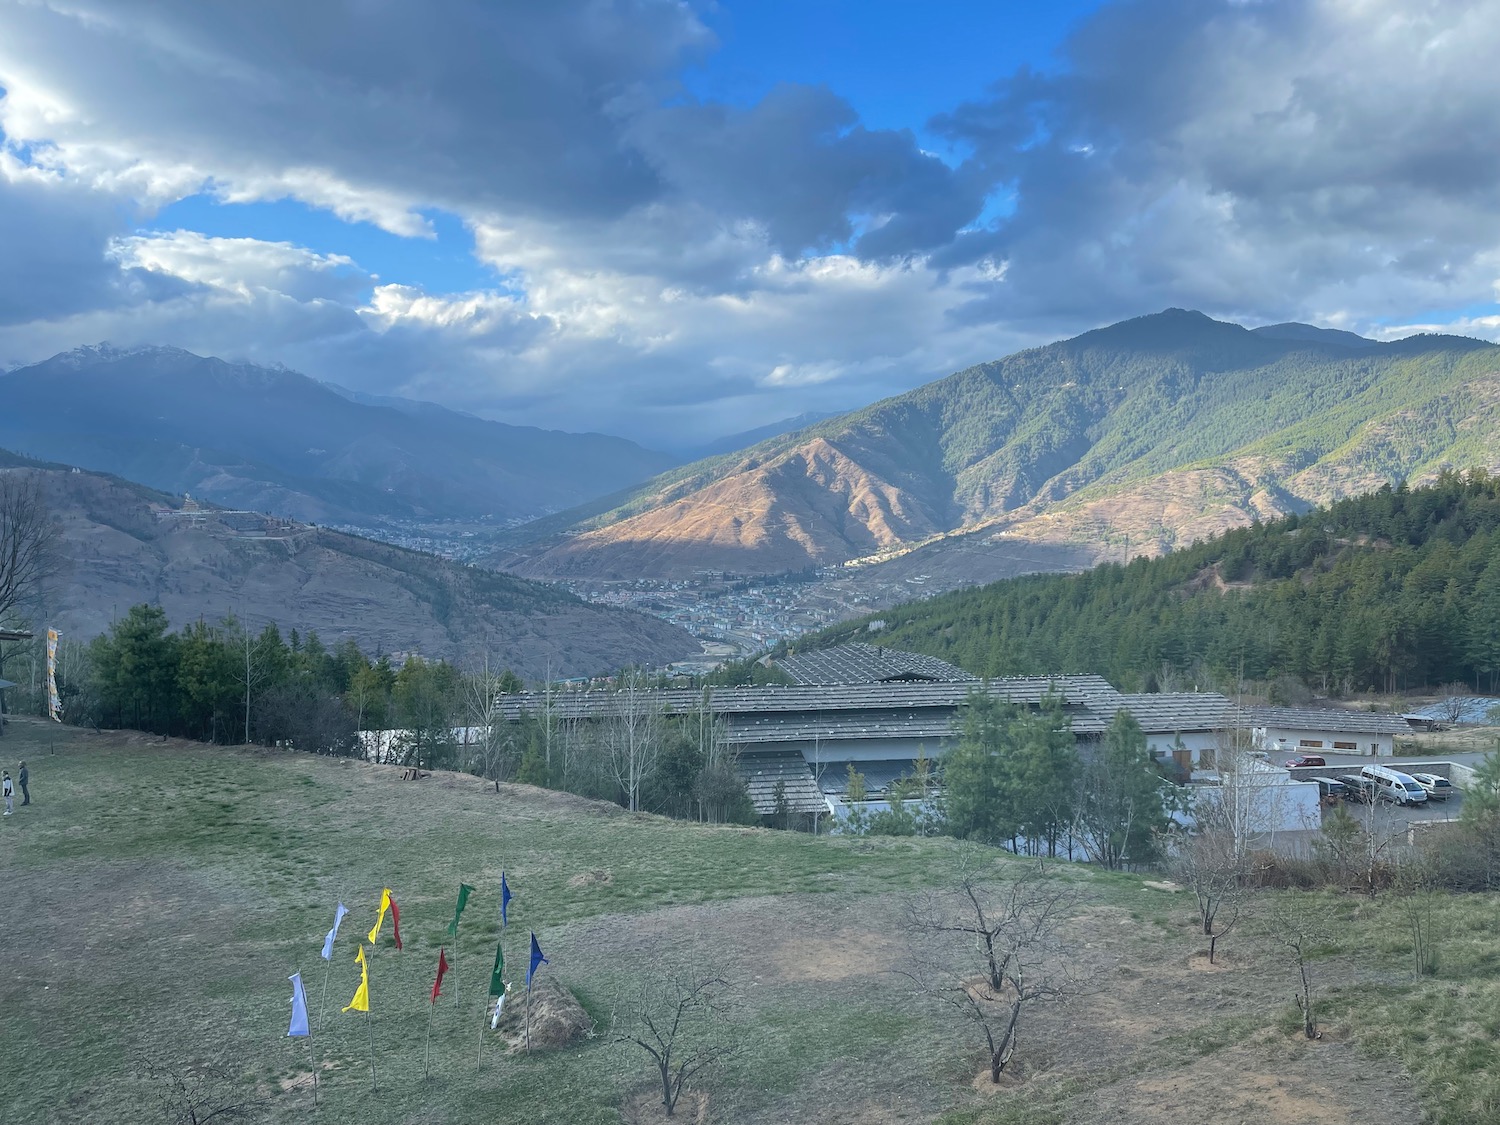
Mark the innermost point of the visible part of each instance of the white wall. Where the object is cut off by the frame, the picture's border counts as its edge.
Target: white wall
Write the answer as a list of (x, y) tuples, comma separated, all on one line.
[(1288, 740)]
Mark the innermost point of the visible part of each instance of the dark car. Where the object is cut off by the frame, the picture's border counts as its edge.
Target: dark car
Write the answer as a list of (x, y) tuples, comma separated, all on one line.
[(1304, 760), (1355, 788), (1331, 791)]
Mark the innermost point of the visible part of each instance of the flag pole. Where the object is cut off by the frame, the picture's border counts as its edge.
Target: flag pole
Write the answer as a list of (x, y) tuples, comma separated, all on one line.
[(312, 1045), (483, 1014), (323, 1004), (370, 1019), (527, 1027), (427, 1051)]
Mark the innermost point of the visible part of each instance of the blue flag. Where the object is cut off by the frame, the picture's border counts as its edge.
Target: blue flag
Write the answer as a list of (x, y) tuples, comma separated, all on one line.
[(299, 1007), (333, 933), (537, 961), (504, 897)]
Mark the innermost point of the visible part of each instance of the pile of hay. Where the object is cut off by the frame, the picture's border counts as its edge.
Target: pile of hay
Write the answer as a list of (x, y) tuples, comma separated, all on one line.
[(557, 1018)]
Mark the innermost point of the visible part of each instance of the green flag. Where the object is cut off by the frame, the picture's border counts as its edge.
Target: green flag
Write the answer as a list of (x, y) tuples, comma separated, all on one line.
[(464, 891), (497, 982)]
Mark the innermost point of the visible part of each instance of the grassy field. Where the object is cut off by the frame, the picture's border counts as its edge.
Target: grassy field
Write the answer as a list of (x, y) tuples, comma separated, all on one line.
[(156, 894)]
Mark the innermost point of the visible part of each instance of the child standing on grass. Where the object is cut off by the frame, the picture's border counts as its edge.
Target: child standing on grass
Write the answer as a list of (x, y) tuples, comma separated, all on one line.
[(10, 792)]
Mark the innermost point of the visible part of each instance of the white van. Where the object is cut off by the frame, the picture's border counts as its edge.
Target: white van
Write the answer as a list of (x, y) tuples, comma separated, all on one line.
[(1393, 785)]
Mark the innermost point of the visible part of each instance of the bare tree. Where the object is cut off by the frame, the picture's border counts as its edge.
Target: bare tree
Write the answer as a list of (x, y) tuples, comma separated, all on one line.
[(632, 735), (989, 949), (487, 738), (30, 540), (679, 1017), (197, 1093), (1301, 926), (1453, 702), (1209, 865)]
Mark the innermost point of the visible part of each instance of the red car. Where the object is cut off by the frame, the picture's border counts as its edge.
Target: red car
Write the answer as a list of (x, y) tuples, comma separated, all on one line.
[(1304, 760)]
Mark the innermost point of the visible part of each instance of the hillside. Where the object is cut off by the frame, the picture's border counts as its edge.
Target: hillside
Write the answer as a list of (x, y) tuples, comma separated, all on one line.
[(129, 544), (1390, 591), (163, 892), (269, 439), (1140, 437)]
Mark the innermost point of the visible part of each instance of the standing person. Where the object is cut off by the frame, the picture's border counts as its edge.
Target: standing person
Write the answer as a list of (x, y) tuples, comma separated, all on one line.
[(9, 792), (25, 793)]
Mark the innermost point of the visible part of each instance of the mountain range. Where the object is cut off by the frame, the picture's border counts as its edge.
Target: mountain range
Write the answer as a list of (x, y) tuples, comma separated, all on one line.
[(270, 439), (1135, 438), (127, 544)]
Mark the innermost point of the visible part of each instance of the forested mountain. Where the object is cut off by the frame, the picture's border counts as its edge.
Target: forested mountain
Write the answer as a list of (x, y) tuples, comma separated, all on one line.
[(269, 439), (1389, 591), (1150, 433), (128, 544)]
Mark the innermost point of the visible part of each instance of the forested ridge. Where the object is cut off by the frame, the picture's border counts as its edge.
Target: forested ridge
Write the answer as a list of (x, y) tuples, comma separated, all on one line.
[(1390, 591)]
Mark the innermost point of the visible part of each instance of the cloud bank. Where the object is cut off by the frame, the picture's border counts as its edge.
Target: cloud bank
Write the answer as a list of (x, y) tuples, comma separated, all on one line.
[(672, 268)]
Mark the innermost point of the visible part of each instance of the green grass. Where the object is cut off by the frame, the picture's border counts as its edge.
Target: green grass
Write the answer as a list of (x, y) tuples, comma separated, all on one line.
[(155, 897)]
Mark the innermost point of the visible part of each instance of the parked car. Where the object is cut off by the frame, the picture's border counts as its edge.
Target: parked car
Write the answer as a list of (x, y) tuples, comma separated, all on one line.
[(1438, 788), (1393, 785), (1355, 788), (1331, 791), (1303, 760)]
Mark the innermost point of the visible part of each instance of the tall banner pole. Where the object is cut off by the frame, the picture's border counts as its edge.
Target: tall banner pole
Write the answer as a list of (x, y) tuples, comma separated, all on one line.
[(479, 1056), (427, 1051), (54, 702)]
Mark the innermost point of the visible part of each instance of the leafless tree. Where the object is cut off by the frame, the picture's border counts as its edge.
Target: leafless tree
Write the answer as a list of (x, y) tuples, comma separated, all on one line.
[(197, 1093), (30, 540), (1208, 864), (680, 1018), (487, 739), (1453, 702), (1301, 926), (1415, 887), (632, 735), (988, 947)]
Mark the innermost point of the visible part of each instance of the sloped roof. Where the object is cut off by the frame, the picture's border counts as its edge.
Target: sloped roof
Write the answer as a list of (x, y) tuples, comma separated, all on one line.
[(1083, 691), (858, 663), (762, 772), (1326, 718), (1176, 712)]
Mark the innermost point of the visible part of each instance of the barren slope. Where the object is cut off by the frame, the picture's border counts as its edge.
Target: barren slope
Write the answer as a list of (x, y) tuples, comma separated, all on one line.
[(127, 545), (1155, 431)]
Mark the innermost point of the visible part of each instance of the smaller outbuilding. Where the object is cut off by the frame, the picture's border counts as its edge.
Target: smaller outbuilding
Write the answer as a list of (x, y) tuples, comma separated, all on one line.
[(1320, 730)]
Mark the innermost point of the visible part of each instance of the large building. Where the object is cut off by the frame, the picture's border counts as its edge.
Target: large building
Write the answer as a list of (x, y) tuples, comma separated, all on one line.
[(880, 711)]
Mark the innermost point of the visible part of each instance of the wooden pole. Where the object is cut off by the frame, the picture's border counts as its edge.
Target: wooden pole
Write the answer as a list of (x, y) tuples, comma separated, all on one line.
[(479, 1056), (370, 1019), (323, 1004), (427, 1051), (526, 1031)]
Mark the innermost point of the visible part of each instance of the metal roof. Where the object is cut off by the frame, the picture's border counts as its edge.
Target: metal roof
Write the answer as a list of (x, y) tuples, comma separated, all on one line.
[(761, 773), (1326, 718), (1075, 690), (858, 663), (1175, 712)]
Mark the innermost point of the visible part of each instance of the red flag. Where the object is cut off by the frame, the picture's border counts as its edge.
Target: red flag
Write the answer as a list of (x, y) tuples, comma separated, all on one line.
[(396, 922), (437, 985)]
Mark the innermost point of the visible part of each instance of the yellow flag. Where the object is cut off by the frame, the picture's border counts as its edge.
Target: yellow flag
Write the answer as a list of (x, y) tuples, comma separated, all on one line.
[(361, 1001), (385, 904)]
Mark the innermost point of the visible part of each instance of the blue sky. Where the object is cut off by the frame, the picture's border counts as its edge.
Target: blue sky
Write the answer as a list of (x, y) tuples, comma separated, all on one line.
[(676, 220)]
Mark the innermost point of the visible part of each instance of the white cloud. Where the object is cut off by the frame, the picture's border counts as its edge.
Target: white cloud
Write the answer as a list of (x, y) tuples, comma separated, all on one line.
[(673, 268)]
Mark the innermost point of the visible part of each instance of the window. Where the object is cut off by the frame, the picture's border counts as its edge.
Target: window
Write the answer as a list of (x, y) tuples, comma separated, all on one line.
[(1315, 743), (1345, 746)]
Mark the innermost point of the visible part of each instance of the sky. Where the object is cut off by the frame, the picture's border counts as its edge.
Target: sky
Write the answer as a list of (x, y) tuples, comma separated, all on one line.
[(673, 220)]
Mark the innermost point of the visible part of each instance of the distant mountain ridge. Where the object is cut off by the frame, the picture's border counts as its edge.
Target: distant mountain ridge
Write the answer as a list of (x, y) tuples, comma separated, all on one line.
[(271, 439), (1137, 437), (129, 544)]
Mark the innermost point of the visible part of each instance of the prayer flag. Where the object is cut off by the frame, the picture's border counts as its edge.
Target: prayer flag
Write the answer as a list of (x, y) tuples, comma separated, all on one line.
[(537, 961), (299, 1007), (361, 1001), (499, 1007), (504, 897), (387, 903), (437, 985), (464, 891), (338, 916), (497, 974)]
